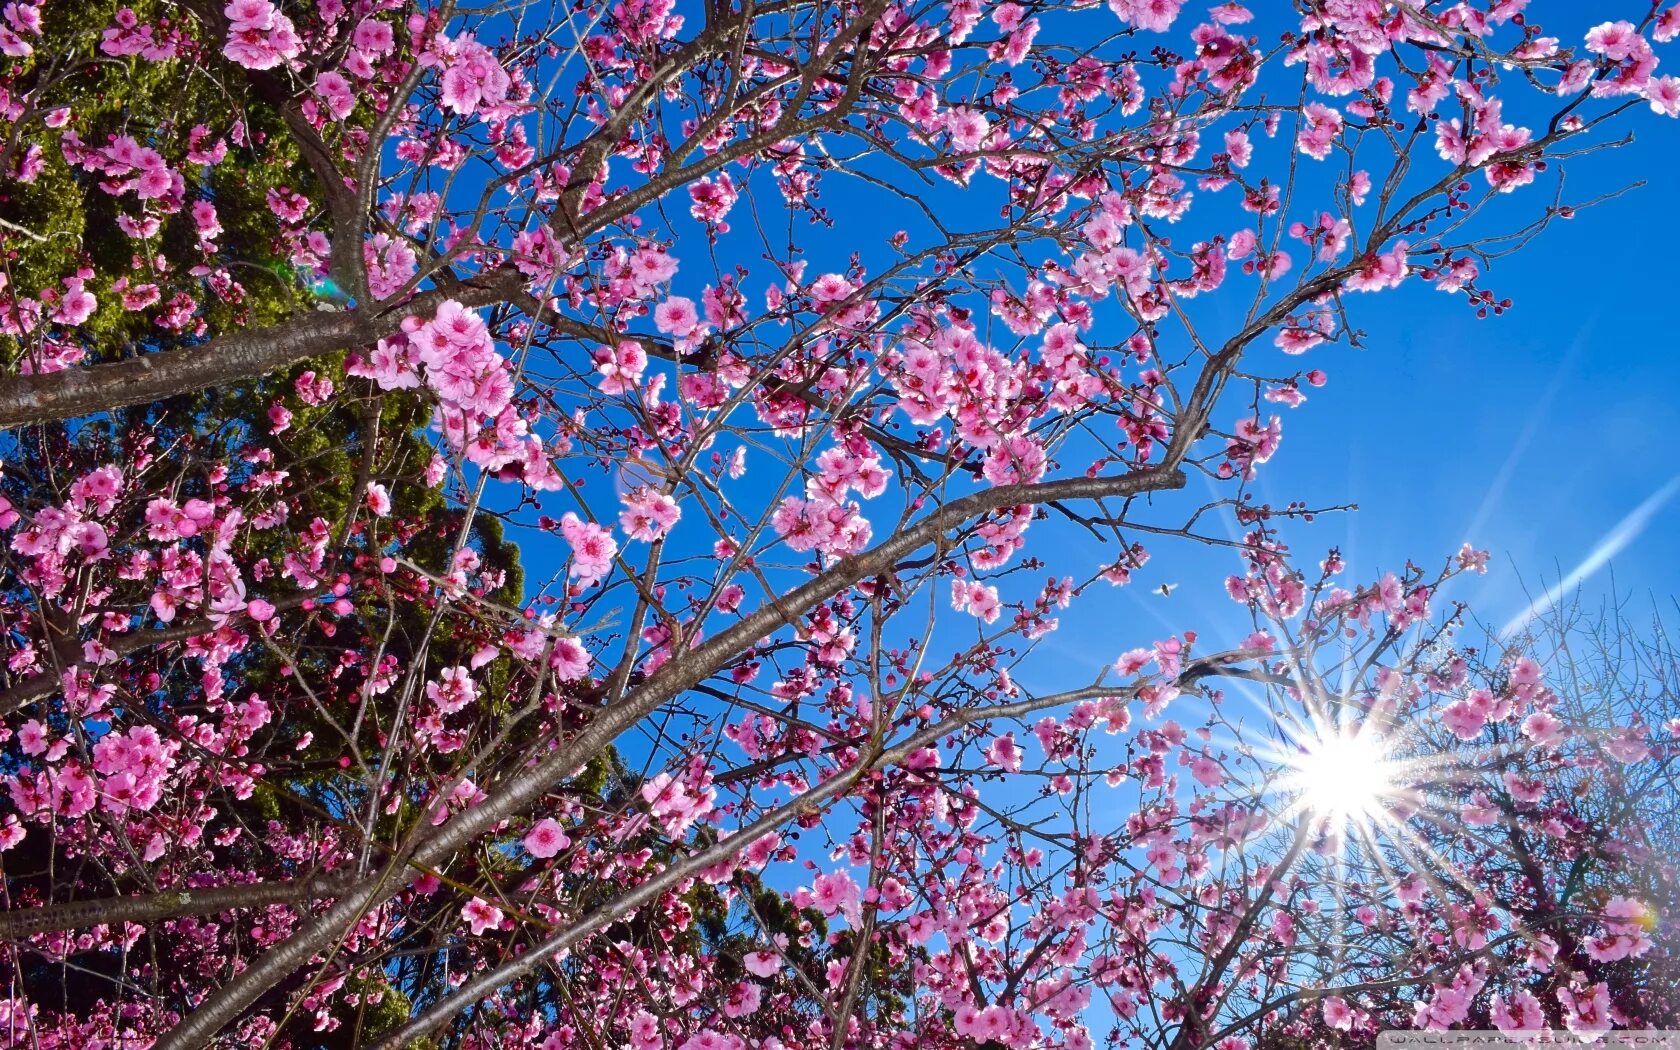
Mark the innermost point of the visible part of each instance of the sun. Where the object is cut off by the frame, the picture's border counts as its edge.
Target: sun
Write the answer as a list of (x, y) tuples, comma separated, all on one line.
[(1345, 775), (1357, 784)]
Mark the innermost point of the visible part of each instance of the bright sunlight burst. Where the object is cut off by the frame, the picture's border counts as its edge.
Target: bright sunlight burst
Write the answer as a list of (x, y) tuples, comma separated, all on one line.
[(1344, 775)]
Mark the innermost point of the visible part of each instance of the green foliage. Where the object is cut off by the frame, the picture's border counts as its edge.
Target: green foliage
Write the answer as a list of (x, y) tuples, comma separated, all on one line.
[(373, 1020), (158, 104)]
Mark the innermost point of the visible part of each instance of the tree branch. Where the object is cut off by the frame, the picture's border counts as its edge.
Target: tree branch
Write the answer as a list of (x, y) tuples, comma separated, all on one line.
[(151, 907), (242, 355)]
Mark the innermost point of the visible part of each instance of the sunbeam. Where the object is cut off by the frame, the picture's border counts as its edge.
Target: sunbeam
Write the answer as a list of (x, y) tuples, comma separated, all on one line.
[(1625, 532)]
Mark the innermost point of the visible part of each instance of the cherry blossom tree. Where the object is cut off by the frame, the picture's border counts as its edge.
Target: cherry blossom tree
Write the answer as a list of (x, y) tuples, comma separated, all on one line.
[(517, 530)]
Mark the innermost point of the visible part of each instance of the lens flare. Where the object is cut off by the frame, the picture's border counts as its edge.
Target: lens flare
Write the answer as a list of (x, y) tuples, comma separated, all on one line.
[(1344, 775)]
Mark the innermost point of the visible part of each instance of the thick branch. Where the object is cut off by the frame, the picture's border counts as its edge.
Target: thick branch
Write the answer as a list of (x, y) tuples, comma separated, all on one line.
[(228, 359), (210, 900)]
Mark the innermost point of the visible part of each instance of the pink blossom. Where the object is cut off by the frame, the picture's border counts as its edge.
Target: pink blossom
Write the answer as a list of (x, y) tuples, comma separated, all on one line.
[(333, 89), (259, 36), (1383, 271), (1464, 719), (1154, 15), (1614, 40), (1543, 729), (32, 738), (708, 1039), (1517, 1011), (1004, 753), (481, 915), (1664, 95), (593, 548), (762, 963), (743, 999), (836, 893), (621, 366), (977, 598), (1320, 124), (712, 200), (651, 266), (1239, 148), (676, 316), (1207, 771), (391, 262), (453, 690), (1586, 1011), (648, 514), (819, 524), (1019, 460), (1667, 26), (1132, 661), (1625, 922), (675, 804), (77, 305), (472, 78), (250, 14), (373, 37), (1337, 1013), (570, 660), (205, 218), (546, 838), (968, 128)]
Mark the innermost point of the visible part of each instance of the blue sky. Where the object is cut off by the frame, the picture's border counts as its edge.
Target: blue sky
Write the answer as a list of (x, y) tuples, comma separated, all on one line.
[(1533, 435)]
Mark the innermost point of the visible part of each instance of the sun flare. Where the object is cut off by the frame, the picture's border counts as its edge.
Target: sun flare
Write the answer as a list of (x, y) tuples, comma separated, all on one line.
[(1344, 775)]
